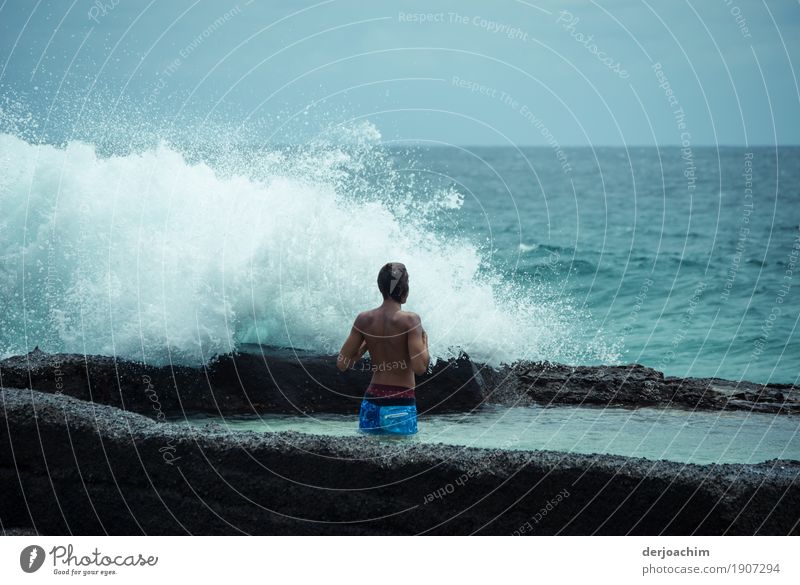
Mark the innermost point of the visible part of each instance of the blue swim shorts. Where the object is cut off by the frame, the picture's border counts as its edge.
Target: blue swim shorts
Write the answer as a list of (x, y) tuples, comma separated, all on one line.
[(387, 420)]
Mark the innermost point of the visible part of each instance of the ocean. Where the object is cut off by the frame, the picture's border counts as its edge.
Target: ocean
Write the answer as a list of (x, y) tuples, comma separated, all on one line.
[(683, 260)]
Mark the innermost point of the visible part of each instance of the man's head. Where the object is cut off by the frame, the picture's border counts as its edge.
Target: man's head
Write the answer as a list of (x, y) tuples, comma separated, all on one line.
[(393, 281)]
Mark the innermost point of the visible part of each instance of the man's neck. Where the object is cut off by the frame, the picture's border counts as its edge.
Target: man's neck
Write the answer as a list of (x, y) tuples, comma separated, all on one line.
[(390, 305)]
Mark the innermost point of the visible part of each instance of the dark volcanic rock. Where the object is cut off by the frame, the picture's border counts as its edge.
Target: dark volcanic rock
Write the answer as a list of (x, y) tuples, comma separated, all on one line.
[(287, 381), (19, 531), (274, 381), (526, 383), (67, 466)]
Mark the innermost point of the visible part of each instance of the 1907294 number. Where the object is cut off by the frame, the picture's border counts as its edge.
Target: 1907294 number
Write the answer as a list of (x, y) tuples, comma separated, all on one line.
[(756, 568)]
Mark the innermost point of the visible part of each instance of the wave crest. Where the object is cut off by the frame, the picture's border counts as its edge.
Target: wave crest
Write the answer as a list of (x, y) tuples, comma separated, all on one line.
[(156, 257)]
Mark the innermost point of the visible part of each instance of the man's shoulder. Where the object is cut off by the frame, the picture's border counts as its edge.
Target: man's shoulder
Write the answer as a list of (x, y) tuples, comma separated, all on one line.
[(411, 317), (364, 316)]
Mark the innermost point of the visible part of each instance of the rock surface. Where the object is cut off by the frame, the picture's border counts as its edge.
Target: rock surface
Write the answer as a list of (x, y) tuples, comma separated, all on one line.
[(68, 466), (274, 381), (285, 381), (634, 385)]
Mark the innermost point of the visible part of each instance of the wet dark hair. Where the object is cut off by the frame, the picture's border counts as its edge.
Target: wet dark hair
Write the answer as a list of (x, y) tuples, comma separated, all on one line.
[(393, 281)]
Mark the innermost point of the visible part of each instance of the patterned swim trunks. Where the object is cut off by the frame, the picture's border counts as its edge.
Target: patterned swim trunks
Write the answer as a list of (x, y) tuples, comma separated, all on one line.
[(388, 409)]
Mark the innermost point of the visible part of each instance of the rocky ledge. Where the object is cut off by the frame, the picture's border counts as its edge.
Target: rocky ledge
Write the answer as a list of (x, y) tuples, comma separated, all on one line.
[(631, 385), (68, 466), (273, 380)]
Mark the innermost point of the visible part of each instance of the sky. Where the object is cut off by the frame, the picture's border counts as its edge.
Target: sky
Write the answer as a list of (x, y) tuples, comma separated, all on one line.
[(613, 72)]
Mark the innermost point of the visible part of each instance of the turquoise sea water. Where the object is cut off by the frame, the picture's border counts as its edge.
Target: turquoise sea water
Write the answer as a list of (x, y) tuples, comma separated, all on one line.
[(688, 258)]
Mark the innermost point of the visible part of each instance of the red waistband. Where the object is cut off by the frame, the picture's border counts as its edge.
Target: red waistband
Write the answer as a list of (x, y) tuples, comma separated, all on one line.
[(389, 391)]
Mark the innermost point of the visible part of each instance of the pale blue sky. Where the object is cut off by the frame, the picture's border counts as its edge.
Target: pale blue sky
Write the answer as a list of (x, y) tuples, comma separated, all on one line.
[(472, 73)]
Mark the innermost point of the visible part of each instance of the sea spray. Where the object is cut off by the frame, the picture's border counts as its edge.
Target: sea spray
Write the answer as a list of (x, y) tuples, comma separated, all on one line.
[(160, 256)]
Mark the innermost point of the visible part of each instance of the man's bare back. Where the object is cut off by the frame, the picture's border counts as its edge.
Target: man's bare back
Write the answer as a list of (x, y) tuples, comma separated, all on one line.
[(396, 343), (395, 339)]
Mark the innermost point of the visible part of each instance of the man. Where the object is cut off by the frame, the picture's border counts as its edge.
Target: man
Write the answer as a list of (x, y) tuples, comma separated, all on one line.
[(398, 349)]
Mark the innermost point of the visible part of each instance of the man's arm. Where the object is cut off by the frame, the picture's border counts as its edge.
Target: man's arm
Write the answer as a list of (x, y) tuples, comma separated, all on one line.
[(418, 346), (353, 348)]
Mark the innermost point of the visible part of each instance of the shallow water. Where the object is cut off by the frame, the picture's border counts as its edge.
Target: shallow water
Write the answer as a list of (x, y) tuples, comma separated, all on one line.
[(653, 433)]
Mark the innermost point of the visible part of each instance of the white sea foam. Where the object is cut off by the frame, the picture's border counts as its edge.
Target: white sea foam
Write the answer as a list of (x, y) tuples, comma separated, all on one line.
[(150, 257)]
